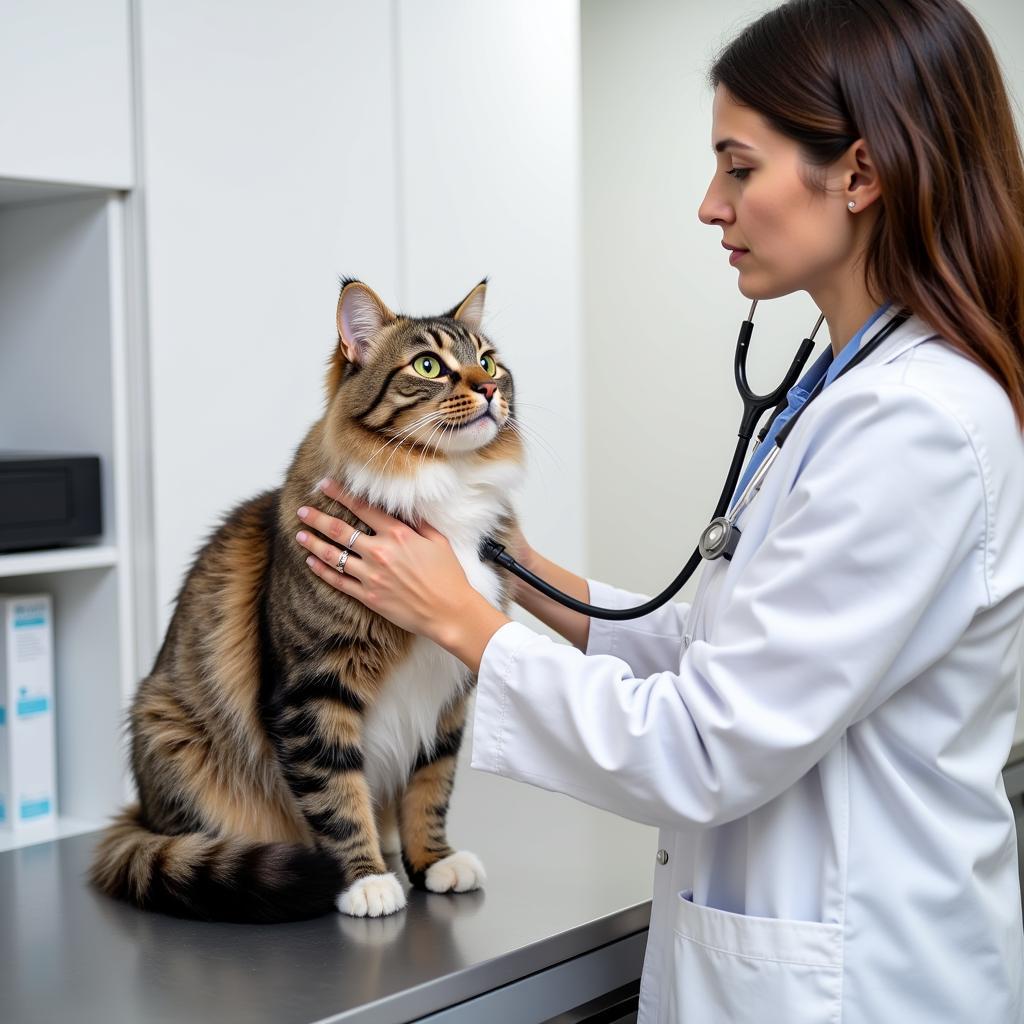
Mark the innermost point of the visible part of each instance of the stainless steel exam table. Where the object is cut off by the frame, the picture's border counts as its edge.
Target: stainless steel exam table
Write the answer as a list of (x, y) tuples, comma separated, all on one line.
[(557, 936), (529, 947)]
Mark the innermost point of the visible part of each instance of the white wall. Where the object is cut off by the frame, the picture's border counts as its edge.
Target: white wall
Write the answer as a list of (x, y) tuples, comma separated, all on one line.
[(662, 309), (661, 305), (490, 184)]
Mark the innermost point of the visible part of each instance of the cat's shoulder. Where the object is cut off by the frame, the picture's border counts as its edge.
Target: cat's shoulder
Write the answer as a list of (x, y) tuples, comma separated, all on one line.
[(247, 519)]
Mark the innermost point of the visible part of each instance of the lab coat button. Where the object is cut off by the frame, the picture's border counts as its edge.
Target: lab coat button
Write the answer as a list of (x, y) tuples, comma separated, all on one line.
[(662, 857)]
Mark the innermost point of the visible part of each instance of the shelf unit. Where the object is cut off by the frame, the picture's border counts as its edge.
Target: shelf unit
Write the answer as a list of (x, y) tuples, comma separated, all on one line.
[(63, 389), (34, 563)]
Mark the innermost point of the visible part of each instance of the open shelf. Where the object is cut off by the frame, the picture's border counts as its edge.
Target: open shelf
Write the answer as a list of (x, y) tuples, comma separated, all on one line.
[(27, 563), (14, 191), (63, 390)]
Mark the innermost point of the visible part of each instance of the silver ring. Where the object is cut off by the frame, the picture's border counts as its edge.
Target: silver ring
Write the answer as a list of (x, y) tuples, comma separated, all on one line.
[(352, 540), (343, 558)]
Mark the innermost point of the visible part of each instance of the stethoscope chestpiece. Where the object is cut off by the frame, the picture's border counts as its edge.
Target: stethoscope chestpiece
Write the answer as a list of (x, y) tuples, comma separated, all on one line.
[(719, 539)]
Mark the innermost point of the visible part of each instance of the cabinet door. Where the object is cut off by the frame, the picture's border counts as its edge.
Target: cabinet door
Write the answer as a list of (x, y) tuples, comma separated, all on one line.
[(270, 172), (65, 91)]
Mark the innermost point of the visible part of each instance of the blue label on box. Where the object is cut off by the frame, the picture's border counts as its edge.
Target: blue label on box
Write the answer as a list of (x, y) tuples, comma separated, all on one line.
[(34, 808), (3, 714), (36, 620), (3, 809), (32, 706)]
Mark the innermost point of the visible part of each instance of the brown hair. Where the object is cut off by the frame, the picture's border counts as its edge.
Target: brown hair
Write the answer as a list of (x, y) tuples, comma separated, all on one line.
[(918, 80)]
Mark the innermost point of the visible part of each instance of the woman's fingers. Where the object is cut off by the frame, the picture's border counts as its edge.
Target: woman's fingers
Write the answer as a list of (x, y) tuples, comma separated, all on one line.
[(340, 581), (373, 517), (328, 554), (329, 526), (325, 555)]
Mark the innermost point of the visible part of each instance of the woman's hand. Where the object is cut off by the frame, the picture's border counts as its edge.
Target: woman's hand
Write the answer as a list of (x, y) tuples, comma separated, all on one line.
[(410, 576)]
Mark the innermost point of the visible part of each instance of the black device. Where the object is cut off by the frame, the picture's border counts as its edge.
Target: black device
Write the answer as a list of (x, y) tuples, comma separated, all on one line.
[(48, 499)]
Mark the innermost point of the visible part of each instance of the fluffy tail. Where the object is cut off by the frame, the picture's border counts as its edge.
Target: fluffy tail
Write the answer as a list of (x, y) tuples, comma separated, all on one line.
[(213, 878)]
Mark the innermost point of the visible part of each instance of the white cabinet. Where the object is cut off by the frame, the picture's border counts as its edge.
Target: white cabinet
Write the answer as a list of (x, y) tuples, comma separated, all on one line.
[(70, 338), (65, 91), (270, 170), (63, 389)]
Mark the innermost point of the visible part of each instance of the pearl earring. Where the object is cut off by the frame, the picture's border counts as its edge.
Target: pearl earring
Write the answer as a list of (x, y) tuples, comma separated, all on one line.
[(851, 204)]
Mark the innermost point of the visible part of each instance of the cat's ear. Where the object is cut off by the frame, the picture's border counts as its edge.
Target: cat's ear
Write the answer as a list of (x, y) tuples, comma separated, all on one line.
[(470, 311), (361, 317)]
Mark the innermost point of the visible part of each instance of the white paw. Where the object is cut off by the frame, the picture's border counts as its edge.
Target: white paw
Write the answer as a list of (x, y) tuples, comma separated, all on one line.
[(372, 896), (459, 871)]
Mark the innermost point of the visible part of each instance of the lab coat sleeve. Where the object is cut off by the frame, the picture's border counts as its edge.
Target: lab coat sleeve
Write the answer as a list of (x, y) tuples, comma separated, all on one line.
[(885, 510), (648, 644)]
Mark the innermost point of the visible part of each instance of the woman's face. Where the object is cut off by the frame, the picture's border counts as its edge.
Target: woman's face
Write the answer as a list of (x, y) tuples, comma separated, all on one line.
[(798, 239)]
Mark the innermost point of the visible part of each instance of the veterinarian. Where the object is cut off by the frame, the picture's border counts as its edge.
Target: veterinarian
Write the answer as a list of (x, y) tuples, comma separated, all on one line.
[(820, 736)]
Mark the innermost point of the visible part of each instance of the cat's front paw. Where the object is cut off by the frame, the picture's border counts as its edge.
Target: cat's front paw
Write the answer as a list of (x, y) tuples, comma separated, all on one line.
[(372, 896), (459, 871)]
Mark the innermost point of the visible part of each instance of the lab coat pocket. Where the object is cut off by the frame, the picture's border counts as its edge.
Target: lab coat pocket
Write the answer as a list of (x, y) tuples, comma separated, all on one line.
[(746, 970)]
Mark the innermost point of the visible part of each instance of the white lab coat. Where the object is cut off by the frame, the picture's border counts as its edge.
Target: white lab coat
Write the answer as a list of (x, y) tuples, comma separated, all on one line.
[(820, 737)]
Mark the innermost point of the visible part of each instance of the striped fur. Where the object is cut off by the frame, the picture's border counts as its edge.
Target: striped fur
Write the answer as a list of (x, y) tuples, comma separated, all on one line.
[(285, 730)]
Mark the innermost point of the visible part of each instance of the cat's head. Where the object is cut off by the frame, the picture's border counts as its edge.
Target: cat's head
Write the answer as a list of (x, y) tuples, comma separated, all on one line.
[(402, 389)]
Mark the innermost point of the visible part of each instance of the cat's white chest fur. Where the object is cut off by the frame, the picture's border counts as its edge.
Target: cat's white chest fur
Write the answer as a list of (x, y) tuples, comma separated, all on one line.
[(462, 502)]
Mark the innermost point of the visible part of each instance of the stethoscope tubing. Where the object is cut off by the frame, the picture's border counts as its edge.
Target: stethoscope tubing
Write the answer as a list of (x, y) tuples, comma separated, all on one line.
[(753, 408)]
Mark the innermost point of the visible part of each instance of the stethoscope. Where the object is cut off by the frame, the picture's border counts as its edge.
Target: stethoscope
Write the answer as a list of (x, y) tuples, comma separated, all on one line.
[(720, 537)]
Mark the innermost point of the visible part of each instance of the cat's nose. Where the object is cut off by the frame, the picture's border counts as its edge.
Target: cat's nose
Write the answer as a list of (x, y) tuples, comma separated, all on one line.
[(486, 388)]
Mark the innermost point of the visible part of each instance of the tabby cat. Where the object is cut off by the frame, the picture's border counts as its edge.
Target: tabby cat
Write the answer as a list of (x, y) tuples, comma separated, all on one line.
[(287, 736)]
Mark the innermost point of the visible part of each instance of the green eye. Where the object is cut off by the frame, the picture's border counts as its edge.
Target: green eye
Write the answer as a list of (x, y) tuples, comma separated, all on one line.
[(427, 366), (488, 364)]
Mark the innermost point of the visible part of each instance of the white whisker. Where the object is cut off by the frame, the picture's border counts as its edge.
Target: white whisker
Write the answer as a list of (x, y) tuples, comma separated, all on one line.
[(423, 455), (543, 408), (532, 436), (403, 435), (451, 426), (417, 426), (404, 431)]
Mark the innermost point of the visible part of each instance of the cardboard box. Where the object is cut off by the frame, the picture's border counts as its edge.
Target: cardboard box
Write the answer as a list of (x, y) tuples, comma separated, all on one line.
[(28, 770)]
